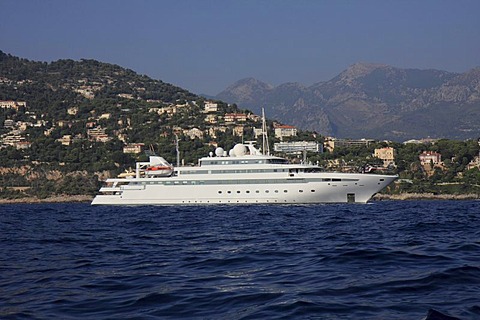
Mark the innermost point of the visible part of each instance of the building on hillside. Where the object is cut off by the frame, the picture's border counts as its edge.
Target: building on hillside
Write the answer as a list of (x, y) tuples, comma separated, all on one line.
[(98, 134), (23, 145), (238, 131), (72, 111), (282, 131), (475, 163), (194, 133), (212, 132), (13, 138), (332, 143), (66, 140), (387, 154), (105, 116), (210, 107), (254, 117), (9, 123), (133, 148), (427, 157), (91, 125), (211, 118), (421, 141), (9, 104), (235, 117), (298, 147), (64, 123), (257, 132)]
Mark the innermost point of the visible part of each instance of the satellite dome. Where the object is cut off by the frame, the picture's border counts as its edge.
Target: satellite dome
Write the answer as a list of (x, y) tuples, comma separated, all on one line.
[(239, 150), (231, 153), (219, 152)]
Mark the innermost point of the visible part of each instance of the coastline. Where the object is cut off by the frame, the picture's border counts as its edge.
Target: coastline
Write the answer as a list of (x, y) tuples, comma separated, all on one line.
[(425, 196), (54, 199), (377, 197)]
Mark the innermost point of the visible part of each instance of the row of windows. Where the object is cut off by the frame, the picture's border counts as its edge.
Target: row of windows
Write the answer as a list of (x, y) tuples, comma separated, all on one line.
[(232, 171), (215, 182), (250, 161), (216, 162), (258, 191), (236, 181)]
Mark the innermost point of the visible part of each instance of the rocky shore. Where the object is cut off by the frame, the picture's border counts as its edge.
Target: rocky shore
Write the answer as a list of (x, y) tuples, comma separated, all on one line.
[(426, 196), (54, 199), (377, 197)]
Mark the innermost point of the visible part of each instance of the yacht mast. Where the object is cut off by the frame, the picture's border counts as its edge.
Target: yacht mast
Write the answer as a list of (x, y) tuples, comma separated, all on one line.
[(265, 146), (177, 150)]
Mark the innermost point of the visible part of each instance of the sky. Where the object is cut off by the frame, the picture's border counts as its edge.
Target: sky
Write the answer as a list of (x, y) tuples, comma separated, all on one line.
[(206, 45)]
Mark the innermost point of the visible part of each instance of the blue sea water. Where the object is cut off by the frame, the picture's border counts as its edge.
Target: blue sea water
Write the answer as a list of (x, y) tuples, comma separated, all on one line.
[(384, 260)]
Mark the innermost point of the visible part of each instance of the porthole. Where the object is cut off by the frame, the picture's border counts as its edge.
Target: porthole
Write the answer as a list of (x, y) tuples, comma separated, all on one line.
[(276, 191), (238, 191), (266, 191), (219, 191), (300, 190)]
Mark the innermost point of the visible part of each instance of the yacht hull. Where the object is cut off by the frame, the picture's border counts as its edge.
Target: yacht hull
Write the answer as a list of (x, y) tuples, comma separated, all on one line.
[(316, 188)]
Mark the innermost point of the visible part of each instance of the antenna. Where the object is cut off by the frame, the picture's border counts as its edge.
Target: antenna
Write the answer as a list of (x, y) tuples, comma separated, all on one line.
[(265, 146), (176, 149)]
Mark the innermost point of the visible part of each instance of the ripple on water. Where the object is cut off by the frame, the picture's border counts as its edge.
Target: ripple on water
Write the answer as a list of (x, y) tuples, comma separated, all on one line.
[(385, 260)]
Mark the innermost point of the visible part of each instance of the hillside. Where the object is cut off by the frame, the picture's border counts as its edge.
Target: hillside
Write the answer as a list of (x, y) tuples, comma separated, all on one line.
[(54, 86), (374, 101)]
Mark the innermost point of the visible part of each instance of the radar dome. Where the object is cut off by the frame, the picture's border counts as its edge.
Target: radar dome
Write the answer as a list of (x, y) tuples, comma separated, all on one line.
[(231, 153), (219, 152), (239, 150)]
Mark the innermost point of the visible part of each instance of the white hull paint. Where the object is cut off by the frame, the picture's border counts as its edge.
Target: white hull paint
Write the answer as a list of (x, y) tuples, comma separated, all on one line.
[(276, 188)]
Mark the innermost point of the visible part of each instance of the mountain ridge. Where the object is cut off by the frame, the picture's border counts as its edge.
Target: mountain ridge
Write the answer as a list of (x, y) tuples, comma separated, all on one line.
[(375, 101)]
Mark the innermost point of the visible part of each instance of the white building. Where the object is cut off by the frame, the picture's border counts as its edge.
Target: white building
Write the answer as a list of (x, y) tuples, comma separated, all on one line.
[(282, 131), (298, 147), (210, 107)]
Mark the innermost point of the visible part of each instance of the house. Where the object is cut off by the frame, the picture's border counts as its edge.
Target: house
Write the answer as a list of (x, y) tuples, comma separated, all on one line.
[(98, 134), (194, 133), (72, 111), (234, 117), (428, 157), (386, 154), (331, 143), (282, 131), (257, 132), (211, 118), (66, 140), (212, 132), (9, 104), (210, 107), (23, 145), (238, 131), (133, 148), (9, 123)]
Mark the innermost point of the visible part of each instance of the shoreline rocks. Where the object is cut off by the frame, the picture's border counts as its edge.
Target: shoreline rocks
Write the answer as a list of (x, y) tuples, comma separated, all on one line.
[(54, 199), (425, 196), (377, 197)]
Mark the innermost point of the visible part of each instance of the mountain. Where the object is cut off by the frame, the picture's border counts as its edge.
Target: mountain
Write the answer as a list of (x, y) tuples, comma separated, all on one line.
[(372, 101)]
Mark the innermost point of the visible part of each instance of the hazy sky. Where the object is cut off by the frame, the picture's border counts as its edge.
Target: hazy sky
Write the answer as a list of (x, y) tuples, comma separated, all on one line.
[(204, 46)]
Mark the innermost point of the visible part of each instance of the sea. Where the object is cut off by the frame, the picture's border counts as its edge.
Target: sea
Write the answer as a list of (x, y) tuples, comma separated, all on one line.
[(382, 260)]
